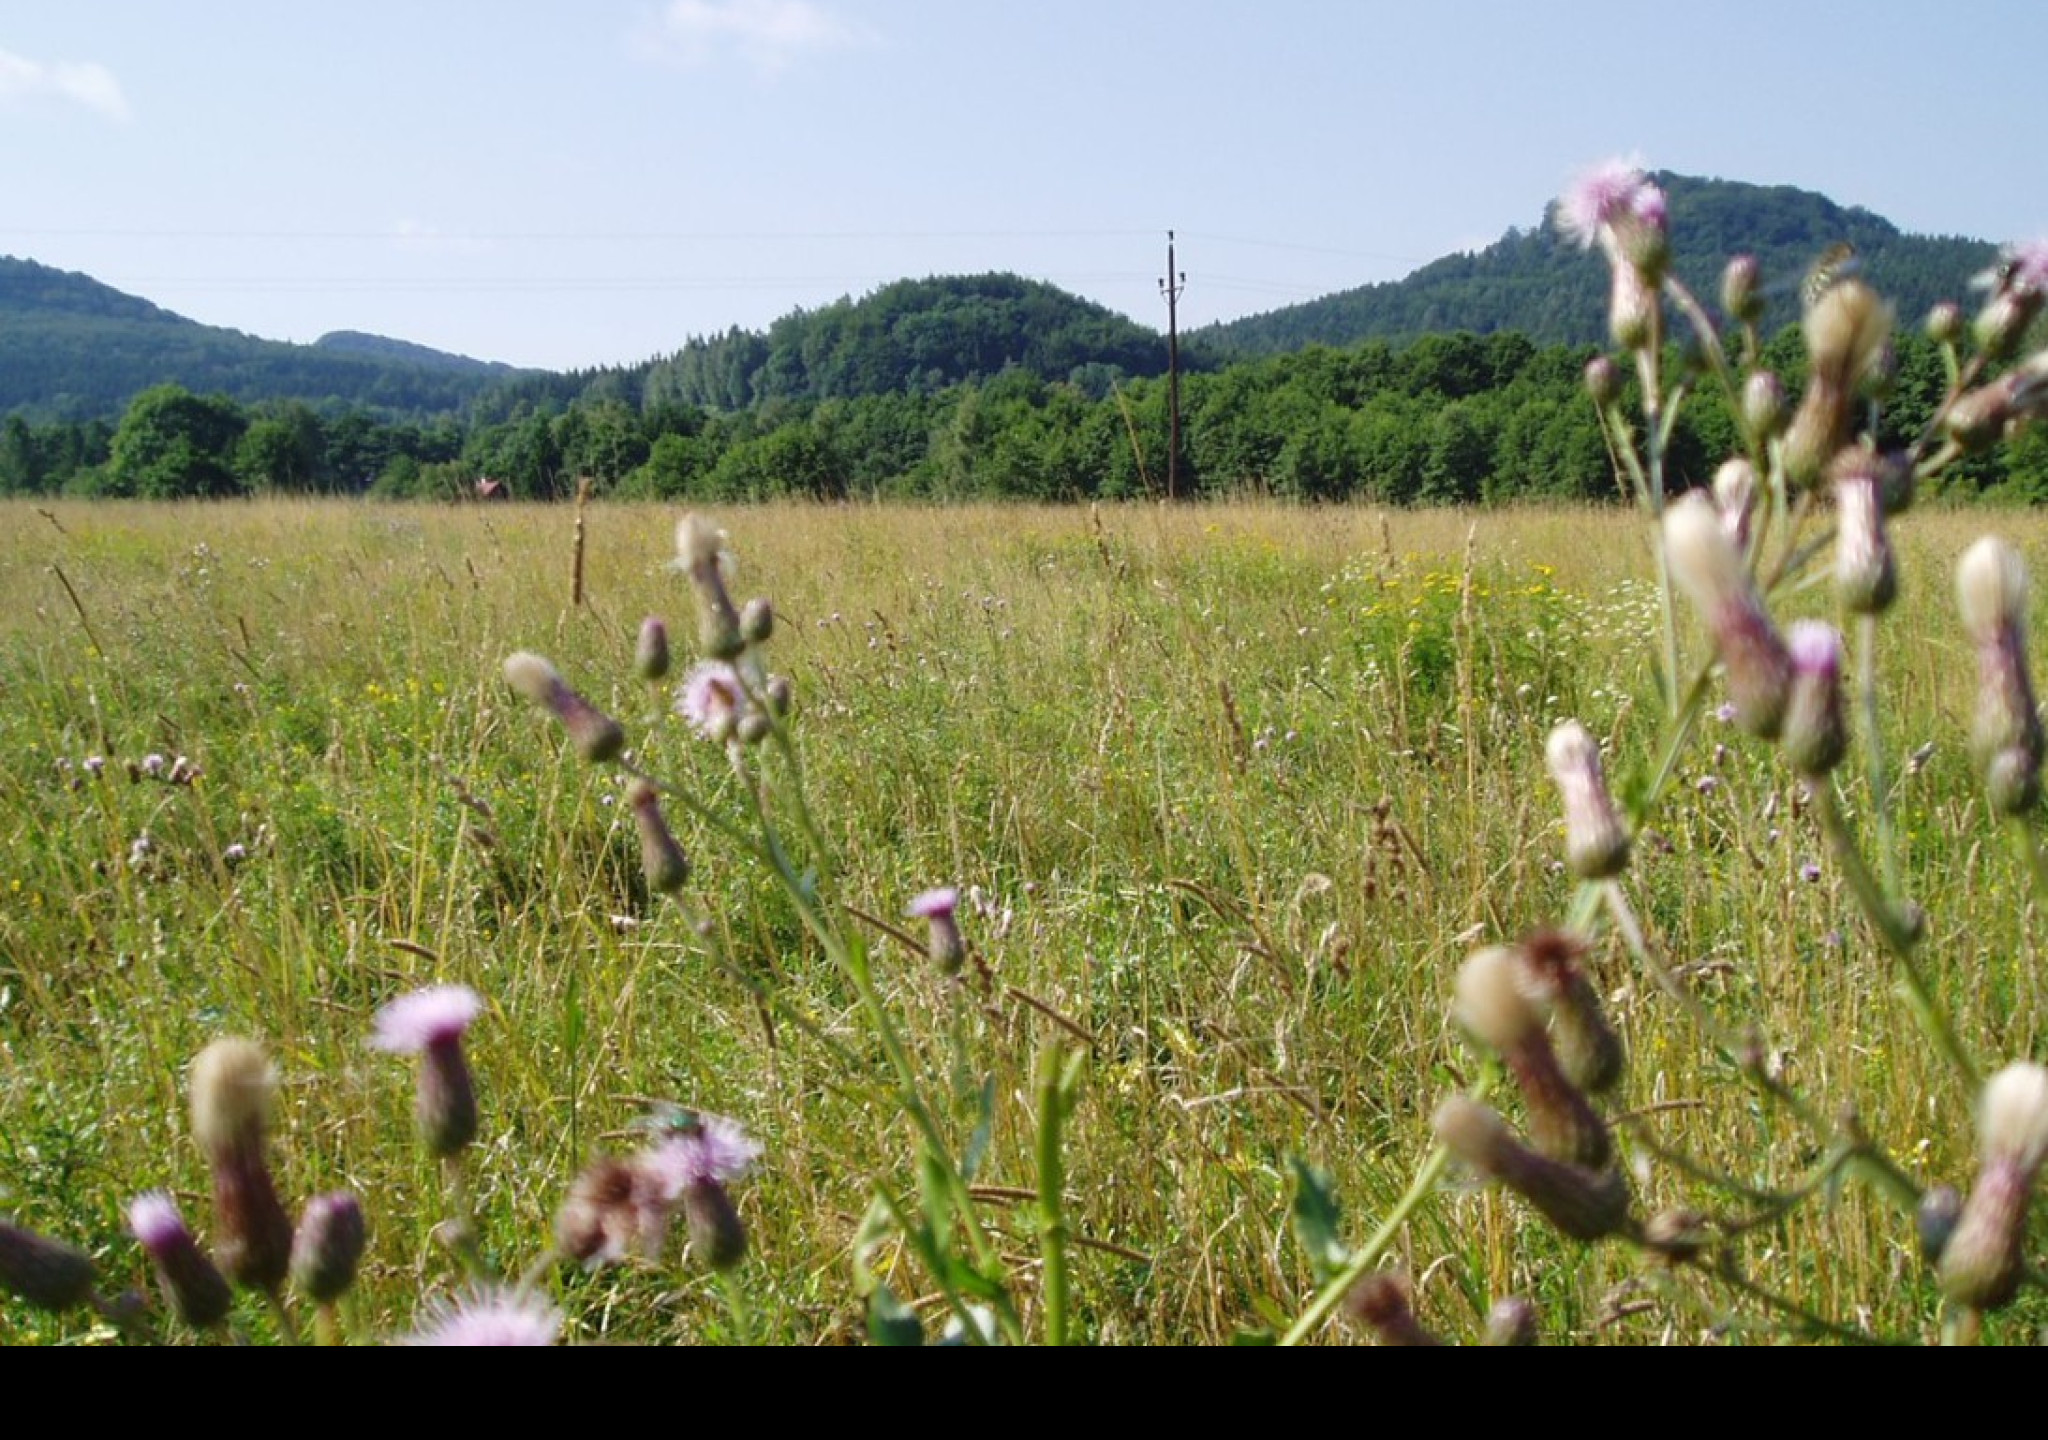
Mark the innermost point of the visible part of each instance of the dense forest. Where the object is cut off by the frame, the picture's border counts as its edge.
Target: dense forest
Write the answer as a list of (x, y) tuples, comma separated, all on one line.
[(957, 387), (1449, 419), (1540, 283)]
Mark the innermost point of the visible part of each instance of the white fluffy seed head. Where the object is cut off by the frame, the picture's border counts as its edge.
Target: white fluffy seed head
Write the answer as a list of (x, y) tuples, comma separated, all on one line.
[(699, 543), (1490, 1002), (1991, 588), (231, 1085), (1703, 559), (2013, 1118), (532, 677)]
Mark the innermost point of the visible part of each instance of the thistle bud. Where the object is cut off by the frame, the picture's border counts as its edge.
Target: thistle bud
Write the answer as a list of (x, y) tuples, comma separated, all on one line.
[(192, 1285), (1596, 845), (1588, 1050), (1631, 308), (718, 1238), (780, 695), (1491, 1006), (328, 1247), (1742, 297), (1582, 1204), (945, 946), (1381, 1303), (1977, 420), (757, 622), (1735, 490), (702, 556), (1676, 1235), (650, 653), (48, 1275), (1945, 323), (1985, 1257), (1707, 566), (1816, 734), (231, 1087), (662, 860), (1935, 1220), (1511, 1324), (1763, 408), (595, 735), (1847, 331), (2006, 739), (1603, 381), (2004, 320), (1866, 576), (430, 1023)]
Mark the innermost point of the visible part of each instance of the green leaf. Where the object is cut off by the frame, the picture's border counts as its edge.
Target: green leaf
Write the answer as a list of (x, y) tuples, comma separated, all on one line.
[(1253, 1340), (875, 1229), (891, 1323), (1316, 1220)]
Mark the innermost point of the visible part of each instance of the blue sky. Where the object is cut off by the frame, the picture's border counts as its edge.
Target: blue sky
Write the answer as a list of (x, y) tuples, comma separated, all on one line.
[(577, 184)]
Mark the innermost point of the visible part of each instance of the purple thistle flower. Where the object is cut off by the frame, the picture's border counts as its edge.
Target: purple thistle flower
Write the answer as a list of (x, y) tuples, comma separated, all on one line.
[(194, 1285), (490, 1316), (1609, 192), (935, 904), (713, 700), (2030, 266), (946, 947), (703, 1149), (153, 765), (430, 1024), (1810, 872), (413, 1023)]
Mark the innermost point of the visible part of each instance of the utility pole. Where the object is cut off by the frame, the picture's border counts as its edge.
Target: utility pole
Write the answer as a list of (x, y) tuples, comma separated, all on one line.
[(1172, 287)]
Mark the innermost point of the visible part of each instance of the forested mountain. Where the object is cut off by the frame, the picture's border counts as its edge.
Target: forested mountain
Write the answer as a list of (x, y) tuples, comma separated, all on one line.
[(404, 352), (74, 349), (1539, 283), (916, 337)]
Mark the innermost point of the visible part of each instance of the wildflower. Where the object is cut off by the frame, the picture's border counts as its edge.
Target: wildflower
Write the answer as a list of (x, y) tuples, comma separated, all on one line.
[(1547, 970), (1616, 206), (1742, 296), (650, 653), (1595, 844), (662, 860), (1708, 567), (702, 556), (1603, 381), (1816, 734), (1985, 1256), (2019, 290), (2007, 738), (757, 622), (140, 851), (1847, 332), (430, 1023), (235, 854), (1945, 323), (1811, 872), (95, 765), (596, 736), (231, 1087), (1866, 577), (1582, 1204), (700, 1155), (328, 1247), (490, 1315), (615, 1208), (1735, 491), (1763, 408), (153, 765), (49, 1275), (196, 1290), (948, 951), (1490, 1004), (1382, 1304), (713, 699)]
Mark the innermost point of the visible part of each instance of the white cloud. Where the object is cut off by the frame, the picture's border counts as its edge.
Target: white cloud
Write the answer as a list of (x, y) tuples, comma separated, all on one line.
[(768, 34), (87, 84)]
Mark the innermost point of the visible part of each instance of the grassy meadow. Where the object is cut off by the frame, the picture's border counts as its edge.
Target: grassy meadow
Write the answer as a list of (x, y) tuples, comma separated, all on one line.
[(1233, 792)]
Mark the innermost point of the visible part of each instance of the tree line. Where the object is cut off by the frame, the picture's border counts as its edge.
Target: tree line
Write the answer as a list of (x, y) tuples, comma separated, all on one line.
[(1457, 418)]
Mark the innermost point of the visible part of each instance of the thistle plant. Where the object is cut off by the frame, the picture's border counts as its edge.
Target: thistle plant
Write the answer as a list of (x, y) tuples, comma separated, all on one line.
[(1811, 484)]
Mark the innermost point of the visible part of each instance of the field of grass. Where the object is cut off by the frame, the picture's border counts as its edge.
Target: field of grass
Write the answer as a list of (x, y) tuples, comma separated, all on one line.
[(1233, 792)]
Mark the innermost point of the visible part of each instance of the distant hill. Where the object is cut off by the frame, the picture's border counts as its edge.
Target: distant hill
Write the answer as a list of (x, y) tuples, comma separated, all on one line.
[(916, 336), (404, 352), (73, 348), (1540, 283)]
